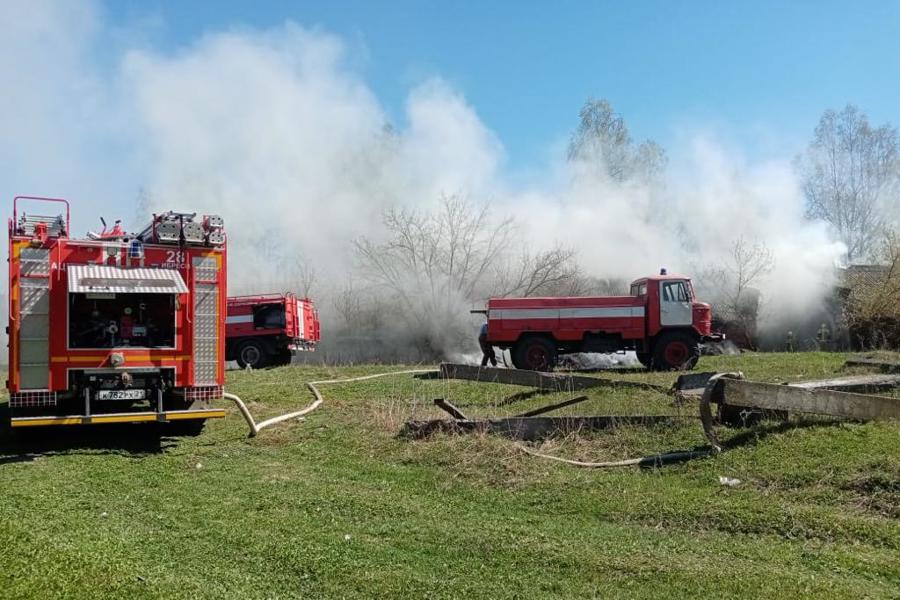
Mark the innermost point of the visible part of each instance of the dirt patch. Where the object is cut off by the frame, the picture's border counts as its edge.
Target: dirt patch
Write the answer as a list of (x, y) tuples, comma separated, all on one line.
[(877, 492)]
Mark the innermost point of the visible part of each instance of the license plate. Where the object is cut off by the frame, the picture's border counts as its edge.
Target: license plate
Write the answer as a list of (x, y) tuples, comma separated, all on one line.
[(121, 395)]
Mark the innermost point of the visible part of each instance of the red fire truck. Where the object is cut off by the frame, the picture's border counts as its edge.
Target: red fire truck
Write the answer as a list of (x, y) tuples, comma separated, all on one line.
[(268, 329), (661, 321), (115, 327)]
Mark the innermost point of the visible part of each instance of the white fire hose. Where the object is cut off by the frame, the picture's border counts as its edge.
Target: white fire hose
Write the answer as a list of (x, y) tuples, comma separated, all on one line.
[(651, 460), (255, 427)]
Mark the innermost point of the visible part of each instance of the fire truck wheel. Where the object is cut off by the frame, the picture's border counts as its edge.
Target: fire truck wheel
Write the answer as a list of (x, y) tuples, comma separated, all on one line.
[(534, 354), (676, 351), (252, 353)]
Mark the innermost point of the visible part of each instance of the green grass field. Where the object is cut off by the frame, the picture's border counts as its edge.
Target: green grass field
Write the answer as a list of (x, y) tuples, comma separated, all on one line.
[(337, 505)]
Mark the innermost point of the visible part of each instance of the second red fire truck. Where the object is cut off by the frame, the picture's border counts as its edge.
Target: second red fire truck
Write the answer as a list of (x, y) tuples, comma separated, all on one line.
[(661, 321), (267, 330)]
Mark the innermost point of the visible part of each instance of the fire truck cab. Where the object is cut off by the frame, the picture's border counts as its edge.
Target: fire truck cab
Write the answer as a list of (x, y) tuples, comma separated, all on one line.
[(267, 330), (661, 321), (115, 327)]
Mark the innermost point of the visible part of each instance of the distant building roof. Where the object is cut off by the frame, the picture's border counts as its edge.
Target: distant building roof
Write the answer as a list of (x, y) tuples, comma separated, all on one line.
[(861, 277)]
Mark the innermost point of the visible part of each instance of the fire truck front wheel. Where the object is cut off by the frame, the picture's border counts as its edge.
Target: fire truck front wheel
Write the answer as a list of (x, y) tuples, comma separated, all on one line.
[(676, 351), (534, 354), (252, 353)]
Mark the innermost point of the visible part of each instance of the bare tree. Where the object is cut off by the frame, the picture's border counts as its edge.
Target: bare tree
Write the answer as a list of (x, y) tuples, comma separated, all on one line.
[(547, 273), (599, 286), (851, 174), (730, 285), (750, 262), (356, 309), (433, 266), (301, 275), (347, 303), (453, 247), (603, 142)]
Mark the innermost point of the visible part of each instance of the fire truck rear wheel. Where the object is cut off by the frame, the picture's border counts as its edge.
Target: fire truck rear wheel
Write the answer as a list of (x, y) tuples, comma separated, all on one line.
[(534, 354), (675, 351), (252, 353)]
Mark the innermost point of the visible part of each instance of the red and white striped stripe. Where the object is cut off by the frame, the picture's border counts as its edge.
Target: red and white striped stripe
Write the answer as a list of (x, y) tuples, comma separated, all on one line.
[(606, 312)]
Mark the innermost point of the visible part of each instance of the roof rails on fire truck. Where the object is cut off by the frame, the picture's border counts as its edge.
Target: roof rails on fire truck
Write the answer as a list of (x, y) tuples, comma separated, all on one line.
[(43, 226), (184, 228)]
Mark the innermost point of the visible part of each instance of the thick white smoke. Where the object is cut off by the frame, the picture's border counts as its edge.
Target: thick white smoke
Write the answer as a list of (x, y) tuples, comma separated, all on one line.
[(711, 199), (274, 131), (278, 132)]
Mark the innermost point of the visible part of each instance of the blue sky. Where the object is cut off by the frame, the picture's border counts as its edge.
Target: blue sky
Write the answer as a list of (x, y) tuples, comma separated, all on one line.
[(756, 74)]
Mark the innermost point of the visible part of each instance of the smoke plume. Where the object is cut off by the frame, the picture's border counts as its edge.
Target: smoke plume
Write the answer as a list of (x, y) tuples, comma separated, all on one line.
[(277, 131)]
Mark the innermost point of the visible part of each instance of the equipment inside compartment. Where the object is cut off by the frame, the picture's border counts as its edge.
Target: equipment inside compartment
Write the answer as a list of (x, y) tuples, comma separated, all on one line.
[(121, 320), (269, 316)]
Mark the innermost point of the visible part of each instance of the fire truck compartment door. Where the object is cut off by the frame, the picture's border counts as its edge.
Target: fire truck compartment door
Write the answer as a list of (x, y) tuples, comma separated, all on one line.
[(674, 304), (300, 318), (86, 279)]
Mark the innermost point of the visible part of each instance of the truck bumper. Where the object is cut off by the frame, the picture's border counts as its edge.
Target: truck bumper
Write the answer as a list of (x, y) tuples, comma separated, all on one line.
[(134, 417), (713, 337)]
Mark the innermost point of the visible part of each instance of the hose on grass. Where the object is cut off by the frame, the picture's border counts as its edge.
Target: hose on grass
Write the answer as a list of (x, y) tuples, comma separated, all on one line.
[(255, 427), (643, 461), (706, 416)]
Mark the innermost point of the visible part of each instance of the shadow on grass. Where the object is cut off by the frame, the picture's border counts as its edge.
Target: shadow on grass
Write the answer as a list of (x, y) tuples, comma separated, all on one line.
[(517, 397), (125, 439), (748, 438), (760, 432), (428, 376), (521, 396)]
